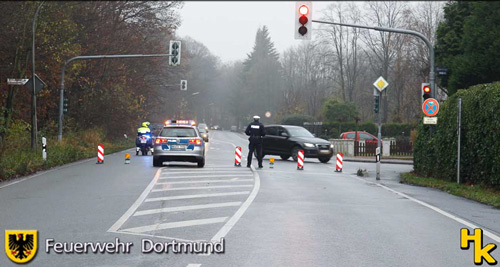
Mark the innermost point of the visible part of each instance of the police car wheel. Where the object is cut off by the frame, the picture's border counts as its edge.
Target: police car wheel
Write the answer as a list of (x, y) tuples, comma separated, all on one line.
[(157, 162), (201, 163)]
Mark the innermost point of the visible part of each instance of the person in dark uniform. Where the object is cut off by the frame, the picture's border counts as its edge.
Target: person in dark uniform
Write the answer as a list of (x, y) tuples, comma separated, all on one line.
[(256, 131)]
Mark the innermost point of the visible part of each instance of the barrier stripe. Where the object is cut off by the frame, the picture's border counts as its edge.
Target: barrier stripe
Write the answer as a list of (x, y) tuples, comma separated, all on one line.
[(300, 159)]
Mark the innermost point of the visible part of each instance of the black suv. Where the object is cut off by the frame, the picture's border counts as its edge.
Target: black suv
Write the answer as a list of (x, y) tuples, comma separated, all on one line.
[(287, 140)]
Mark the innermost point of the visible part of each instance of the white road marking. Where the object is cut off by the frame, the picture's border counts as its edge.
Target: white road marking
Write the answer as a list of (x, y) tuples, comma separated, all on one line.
[(199, 187), (163, 226), (184, 208), (208, 181), (196, 196), (206, 168), (229, 224), (206, 176), (136, 204), (296, 172), (194, 265), (436, 209), (208, 171)]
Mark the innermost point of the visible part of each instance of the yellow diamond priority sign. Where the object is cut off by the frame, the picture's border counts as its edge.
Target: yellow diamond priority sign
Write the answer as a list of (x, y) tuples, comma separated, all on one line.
[(380, 84)]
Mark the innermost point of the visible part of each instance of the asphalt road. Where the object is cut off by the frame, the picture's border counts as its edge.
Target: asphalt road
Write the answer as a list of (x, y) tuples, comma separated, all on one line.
[(268, 217)]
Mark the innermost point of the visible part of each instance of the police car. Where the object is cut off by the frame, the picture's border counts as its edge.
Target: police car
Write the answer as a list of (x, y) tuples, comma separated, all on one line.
[(179, 140)]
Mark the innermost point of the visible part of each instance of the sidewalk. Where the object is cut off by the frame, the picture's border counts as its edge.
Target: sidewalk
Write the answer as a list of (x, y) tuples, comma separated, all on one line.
[(383, 160)]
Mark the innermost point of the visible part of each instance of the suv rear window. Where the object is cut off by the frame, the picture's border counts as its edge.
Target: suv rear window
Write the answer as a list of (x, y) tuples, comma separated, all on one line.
[(178, 132), (273, 130)]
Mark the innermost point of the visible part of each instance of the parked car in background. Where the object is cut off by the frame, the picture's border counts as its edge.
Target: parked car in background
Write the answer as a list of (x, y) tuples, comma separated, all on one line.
[(362, 136), (286, 140)]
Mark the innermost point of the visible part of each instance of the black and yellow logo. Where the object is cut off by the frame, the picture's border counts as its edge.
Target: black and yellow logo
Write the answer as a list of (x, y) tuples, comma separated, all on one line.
[(21, 245)]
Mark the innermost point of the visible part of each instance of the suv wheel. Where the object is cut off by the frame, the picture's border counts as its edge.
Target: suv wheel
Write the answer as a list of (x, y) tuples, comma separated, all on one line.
[(295, 151), (285, 157), (324, 159)]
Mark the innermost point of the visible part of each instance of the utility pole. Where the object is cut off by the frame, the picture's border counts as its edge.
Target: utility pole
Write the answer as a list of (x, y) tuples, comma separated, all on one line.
[(459, 124), (33, 97)]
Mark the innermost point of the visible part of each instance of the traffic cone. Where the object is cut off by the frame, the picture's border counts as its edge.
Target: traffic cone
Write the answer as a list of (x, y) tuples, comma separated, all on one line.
[(271, 163), (127, 158)]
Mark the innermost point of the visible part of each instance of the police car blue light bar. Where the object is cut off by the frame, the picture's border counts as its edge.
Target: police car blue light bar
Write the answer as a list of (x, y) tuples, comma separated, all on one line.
[(180, 122)]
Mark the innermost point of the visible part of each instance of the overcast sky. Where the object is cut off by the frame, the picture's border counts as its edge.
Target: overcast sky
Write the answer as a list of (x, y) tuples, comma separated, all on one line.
[(228, 28)]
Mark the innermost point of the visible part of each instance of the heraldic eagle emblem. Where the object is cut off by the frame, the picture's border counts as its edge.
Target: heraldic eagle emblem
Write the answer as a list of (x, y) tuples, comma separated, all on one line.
[(20, 245)]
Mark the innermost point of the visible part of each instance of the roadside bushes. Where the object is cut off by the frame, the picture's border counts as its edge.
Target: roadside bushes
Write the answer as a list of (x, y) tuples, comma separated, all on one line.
[(436, 156), (17, 158)]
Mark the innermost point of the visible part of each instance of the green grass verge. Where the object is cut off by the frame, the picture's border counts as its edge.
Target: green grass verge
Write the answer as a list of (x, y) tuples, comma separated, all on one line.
[(474, 192), (21, 161)]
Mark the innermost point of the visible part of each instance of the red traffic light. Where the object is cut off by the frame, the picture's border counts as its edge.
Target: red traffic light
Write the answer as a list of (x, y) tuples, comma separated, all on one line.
[(303, 10), (427, 89)]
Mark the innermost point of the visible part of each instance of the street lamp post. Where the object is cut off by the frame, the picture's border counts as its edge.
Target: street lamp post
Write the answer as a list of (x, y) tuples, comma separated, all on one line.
[(33, 97)]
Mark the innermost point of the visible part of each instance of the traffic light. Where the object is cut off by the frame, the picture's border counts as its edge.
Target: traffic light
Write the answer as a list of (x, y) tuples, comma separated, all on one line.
[(377, 103), (65, 105), (184, 84), (175, 53), (303, 20), (426, 91)]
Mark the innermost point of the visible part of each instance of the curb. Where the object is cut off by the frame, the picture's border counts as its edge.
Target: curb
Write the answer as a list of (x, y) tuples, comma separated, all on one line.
[(405, 162)]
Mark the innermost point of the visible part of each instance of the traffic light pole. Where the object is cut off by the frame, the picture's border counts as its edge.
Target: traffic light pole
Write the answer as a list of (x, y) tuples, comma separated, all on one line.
[(396, 30), (379, 136), (61, 93)]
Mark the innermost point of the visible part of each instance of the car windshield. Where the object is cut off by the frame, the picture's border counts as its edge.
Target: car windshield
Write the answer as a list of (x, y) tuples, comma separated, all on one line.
[(202, 130), (178, 132), (299, 132)]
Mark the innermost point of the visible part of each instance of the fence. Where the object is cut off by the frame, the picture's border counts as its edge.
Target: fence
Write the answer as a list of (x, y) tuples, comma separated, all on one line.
[(366, 149), (401, 148)]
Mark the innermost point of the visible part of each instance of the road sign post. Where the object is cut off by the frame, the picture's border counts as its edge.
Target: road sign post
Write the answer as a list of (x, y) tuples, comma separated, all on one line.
[(380, 84)]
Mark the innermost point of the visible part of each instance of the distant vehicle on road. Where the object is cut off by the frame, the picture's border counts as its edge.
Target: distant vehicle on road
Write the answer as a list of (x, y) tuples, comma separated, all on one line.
[(286, 140), (362, 135), (203, 126), (179, 142), (203, 134), (234, 128)]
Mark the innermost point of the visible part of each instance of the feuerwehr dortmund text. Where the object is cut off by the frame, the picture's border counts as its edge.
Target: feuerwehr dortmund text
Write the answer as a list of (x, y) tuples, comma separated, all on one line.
[(148, 246)]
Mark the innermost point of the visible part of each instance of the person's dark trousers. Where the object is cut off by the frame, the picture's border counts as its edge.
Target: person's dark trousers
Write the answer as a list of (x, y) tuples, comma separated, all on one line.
[(251, 148)]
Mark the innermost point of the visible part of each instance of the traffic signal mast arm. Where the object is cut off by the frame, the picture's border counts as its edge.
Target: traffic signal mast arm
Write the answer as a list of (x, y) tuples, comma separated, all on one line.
[(61, 93), (396, 30)]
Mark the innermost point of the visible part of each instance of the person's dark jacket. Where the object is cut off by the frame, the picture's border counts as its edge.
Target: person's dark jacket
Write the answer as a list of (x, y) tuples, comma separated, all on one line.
[(256, 131)]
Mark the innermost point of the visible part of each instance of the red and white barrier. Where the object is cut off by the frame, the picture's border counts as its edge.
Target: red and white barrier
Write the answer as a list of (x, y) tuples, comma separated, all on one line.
[(237, 157), (300, 160), (339, 162), (100, 154)]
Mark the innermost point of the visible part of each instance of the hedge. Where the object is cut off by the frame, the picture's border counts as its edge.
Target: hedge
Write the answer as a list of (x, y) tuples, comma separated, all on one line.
[(436, 155)]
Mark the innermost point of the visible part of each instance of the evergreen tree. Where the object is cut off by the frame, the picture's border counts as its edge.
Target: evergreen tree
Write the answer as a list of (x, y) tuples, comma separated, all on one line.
[(468, 43)]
